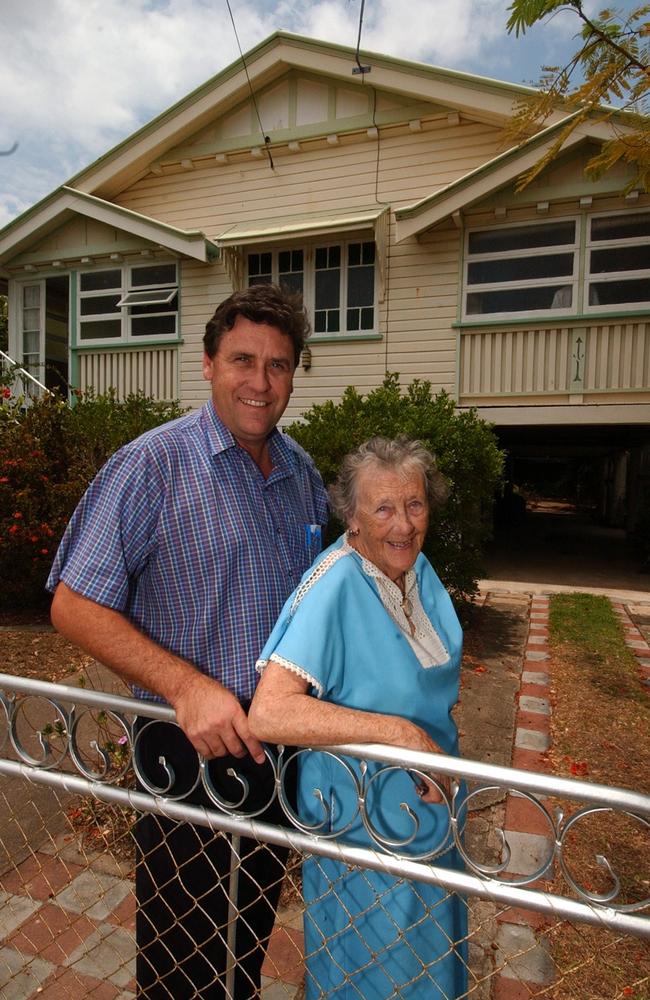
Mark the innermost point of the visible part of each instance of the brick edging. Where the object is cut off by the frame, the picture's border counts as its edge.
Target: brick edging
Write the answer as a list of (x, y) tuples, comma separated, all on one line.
[(525, 827), (635, 641)]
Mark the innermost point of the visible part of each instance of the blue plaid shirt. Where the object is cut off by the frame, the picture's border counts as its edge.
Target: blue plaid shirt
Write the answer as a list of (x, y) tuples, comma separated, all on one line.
[(181, 532)]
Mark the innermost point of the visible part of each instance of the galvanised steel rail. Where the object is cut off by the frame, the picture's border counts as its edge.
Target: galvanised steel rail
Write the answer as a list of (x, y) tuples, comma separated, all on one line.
[(39, 757)]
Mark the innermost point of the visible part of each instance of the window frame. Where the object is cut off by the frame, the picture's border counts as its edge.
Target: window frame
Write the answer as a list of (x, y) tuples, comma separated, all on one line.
[(161, 293), (521, 314), (612, 276), (309, 250)]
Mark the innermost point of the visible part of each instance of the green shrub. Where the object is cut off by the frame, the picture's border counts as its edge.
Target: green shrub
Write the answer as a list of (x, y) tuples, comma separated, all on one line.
[(466, 452), (49, 452)]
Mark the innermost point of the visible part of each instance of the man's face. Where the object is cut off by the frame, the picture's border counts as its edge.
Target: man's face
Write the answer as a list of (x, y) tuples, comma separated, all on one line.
[(252, 379)]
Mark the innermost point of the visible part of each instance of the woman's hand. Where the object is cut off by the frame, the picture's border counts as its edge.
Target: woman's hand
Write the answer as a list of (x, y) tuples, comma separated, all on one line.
[(417, 739)]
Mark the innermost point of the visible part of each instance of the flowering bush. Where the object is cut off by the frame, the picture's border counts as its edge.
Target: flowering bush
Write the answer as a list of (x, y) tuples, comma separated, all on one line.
[(49, 452)]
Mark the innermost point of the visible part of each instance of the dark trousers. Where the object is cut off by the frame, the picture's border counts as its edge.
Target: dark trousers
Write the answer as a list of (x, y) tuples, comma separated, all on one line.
[(183, 881)]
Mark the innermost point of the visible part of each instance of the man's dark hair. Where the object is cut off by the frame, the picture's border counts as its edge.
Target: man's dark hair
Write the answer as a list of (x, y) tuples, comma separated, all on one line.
[(260, 304)]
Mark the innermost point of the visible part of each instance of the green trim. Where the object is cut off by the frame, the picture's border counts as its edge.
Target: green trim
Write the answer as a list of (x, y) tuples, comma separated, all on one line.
[(297, 133), (331, 105), (179, 327), (459, 305), (73, 360), (503, 395), (20, 219), (127, 345), (414, 69), (74, 254), (293, 99), (582, 318), (128, 213), (327, 48), (123, 216), (555, 392), (342, 337), (580, 291)]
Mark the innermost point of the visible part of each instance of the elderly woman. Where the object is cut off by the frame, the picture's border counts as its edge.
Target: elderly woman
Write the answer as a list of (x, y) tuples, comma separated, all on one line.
[(367, 650)]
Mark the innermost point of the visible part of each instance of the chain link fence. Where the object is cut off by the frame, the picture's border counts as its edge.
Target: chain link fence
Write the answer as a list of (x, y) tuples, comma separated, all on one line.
[(86, 814)]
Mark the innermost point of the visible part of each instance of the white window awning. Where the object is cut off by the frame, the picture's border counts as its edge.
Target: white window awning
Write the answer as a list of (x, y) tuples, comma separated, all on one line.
[(153, 297), (295, 226)]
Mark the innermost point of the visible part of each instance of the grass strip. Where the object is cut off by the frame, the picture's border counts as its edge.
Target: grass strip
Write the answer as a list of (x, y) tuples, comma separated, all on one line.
[(587, 624), (600, 729)]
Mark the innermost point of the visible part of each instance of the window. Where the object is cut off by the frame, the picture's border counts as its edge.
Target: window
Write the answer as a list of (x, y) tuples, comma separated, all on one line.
[(128, 303), (521, 269), (618, 262), (336, 280)]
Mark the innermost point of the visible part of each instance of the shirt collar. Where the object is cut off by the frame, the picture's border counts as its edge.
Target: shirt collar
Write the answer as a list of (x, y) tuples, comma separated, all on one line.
[(220, 439)]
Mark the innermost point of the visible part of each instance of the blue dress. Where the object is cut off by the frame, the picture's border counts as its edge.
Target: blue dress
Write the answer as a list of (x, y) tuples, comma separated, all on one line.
[(370, 935)]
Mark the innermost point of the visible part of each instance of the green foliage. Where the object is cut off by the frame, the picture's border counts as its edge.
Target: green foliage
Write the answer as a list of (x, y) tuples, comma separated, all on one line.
[(49, 452), (525, 13), (612, 67), (466, 452)]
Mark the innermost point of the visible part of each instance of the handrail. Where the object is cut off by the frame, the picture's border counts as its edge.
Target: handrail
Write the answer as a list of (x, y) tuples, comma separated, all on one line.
[(19, 370), (56, 746)]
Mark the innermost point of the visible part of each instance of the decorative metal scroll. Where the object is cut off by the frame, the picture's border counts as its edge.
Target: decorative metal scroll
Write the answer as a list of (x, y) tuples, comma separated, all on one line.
[(47, 727)]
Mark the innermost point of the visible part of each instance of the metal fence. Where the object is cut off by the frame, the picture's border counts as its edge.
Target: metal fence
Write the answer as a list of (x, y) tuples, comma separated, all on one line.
[(76, 788)]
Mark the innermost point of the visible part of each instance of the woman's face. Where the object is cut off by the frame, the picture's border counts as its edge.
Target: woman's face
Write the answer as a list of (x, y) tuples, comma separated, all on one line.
[(391, 516)]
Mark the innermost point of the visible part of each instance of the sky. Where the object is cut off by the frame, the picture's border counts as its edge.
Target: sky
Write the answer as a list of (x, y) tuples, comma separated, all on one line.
[(78, 76)]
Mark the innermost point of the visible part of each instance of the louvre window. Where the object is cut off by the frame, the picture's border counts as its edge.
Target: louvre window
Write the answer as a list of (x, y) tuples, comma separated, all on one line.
[(128, 303)]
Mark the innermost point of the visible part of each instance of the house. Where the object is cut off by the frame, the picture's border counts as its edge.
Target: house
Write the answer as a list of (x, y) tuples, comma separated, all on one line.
[(387, 197)]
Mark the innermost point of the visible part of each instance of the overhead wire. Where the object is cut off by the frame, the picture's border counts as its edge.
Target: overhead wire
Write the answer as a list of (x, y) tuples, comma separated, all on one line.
[(267, 139), (362, 70)]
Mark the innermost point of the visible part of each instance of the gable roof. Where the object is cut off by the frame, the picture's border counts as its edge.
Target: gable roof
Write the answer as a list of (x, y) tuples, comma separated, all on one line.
[(90, 191), (489, 177), (65, 202), (490, 100)]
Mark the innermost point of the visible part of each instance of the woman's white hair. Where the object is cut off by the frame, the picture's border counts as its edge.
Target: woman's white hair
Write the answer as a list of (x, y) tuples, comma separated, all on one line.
[(397, 454)]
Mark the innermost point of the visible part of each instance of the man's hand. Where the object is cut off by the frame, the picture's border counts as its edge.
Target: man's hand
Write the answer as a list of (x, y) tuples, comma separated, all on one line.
[(214, 721), (207, 712)]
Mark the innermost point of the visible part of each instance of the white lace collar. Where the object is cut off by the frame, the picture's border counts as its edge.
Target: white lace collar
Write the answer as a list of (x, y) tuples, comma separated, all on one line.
[(416, 628)]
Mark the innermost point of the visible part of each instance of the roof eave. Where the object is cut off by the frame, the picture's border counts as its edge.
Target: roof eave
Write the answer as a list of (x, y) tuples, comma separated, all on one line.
[(67, 202), (411, 220), (277, 53)]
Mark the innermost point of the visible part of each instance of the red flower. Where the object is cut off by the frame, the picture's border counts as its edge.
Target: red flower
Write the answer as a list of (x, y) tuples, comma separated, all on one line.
[(17, 515), (628, 991), (44, 552), (578, 767), (6, 392), (4, 479), (33, 538), (13, 529)]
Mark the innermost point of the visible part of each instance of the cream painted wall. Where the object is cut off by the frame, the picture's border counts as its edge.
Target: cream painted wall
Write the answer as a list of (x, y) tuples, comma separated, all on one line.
[(417, 336)]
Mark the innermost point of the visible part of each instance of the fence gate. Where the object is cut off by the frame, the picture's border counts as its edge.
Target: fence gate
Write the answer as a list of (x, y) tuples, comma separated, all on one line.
[(560, 913)]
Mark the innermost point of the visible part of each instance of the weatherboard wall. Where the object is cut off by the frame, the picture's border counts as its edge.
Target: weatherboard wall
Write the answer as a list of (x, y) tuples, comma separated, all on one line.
[(416, 336)]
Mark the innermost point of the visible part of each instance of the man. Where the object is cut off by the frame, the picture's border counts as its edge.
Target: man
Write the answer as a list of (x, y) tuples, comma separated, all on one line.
[(172, 572)]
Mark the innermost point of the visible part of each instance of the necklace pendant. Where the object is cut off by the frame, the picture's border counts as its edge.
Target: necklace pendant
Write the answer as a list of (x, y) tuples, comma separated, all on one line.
[(407, 607)]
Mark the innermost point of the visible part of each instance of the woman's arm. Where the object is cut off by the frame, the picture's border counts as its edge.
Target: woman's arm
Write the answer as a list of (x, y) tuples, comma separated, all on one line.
[(283, 712)]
